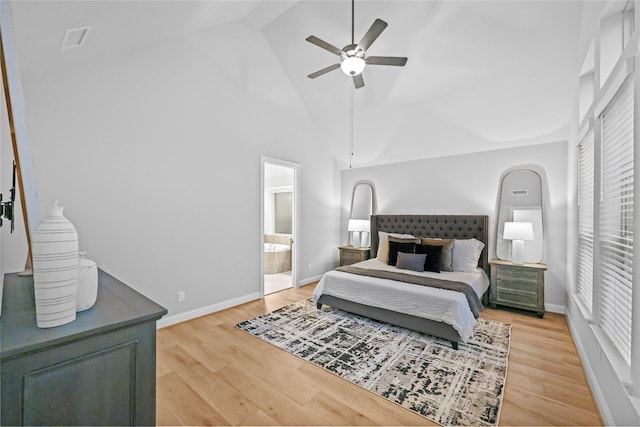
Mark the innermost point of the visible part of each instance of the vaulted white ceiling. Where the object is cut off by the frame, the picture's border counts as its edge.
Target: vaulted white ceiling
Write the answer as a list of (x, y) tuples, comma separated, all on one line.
[(481, 75)]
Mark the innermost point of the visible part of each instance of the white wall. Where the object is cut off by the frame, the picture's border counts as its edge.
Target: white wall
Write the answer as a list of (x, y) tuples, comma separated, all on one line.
[(468, 185), (156, 156)]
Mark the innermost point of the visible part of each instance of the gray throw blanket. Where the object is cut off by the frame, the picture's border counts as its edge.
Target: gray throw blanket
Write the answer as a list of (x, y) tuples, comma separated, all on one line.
[(472, 298)]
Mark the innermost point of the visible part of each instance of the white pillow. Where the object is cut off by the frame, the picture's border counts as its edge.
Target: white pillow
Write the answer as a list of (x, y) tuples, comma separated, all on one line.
[(383, 244), (465, 254)]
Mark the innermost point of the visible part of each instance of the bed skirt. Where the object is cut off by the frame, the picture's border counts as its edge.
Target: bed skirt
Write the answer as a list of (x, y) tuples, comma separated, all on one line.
[(419, 324)]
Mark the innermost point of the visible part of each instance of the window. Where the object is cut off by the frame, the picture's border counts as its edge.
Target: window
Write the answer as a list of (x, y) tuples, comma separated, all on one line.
[(628, 24), (586, 83), (615, 33), (585, 218), (615, 229)]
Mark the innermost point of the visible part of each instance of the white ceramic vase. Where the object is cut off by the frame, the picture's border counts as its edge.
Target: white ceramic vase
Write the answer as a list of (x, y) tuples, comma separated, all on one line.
[(54, 248), (87, 283)]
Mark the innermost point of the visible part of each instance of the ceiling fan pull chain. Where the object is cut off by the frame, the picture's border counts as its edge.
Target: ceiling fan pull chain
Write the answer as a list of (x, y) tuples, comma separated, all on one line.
[(351, 89)]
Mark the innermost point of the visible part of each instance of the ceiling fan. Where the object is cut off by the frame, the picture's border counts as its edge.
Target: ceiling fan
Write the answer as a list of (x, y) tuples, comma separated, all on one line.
[(353, 58)]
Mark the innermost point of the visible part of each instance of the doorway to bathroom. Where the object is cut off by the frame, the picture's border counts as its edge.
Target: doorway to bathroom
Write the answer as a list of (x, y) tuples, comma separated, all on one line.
[(279, 224)]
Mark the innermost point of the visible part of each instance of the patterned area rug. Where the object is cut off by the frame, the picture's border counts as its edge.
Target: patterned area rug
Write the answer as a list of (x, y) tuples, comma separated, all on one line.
[(419, 372)]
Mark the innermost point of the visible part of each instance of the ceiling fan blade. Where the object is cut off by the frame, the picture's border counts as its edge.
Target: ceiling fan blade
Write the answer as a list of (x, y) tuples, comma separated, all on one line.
[(398, 61), (372, 34), (323, 71), (358, 81), (323, 44)]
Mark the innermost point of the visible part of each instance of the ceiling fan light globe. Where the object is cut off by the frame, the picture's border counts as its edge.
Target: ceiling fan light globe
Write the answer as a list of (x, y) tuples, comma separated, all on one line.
[(352, 66)]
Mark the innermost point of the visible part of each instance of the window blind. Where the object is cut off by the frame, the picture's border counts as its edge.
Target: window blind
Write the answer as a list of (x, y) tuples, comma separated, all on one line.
[(615, 228), (585, 218)]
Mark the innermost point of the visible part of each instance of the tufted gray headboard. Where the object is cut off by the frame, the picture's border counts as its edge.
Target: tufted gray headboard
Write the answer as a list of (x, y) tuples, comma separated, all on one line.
[(445, 226)]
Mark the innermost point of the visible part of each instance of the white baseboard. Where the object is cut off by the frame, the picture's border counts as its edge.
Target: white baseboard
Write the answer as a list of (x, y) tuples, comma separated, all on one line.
[(308, 280), (591, 378), (555, 308), (203, 311)]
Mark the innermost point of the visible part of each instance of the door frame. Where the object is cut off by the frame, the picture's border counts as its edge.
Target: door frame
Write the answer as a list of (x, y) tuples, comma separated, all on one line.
[(295, 253)]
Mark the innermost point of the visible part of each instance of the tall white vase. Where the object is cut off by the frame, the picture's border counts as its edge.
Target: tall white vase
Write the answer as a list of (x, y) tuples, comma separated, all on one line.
[(54, 248)]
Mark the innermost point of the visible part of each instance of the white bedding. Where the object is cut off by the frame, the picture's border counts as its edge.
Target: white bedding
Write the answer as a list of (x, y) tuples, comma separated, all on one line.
[(437, 304)]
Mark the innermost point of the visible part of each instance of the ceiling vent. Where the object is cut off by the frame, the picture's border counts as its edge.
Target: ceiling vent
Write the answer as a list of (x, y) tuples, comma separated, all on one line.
[(74, 37)]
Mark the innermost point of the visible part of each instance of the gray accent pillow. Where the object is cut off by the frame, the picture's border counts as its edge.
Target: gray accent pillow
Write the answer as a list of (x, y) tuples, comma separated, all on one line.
[(395, 247), (414, 262)]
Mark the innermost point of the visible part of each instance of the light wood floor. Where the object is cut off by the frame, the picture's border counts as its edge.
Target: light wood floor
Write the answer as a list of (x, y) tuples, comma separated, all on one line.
[(211, 373)]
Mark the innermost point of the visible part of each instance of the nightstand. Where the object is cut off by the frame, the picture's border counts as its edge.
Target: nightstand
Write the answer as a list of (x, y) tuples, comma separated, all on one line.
[(351, 254), (517, 285)]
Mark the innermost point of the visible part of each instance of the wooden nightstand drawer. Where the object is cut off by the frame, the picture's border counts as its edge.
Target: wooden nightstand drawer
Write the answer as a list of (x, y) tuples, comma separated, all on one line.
[(351, 256), (511, 284), (517, 274), (518, 298)]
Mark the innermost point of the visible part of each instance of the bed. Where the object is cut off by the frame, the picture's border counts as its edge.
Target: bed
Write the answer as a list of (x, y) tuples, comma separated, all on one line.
[(444, 313)]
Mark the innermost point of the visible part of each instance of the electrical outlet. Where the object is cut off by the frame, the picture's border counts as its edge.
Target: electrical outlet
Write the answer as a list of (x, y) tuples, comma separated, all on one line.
[(181, 296), (309, 267)]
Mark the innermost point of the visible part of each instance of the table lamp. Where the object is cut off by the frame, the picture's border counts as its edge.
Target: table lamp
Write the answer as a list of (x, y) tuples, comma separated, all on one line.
[(364, 234), (517, 232), (356, 227)]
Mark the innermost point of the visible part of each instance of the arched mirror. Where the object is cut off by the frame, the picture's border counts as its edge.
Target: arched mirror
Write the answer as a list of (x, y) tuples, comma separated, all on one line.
[(362, 206), (520, 234)]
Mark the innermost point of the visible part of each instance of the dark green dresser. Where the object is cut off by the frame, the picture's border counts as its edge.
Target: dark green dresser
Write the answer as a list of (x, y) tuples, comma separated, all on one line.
[(97, 370)]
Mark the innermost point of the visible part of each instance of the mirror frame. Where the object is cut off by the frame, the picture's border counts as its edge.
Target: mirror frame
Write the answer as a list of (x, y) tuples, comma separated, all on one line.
[(372, 196), (364, 239), (500, 213)]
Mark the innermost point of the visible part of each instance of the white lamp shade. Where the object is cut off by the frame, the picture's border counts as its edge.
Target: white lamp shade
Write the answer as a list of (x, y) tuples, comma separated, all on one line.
[(518, 231), (354, 225), (357, 225), (366, 225)]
